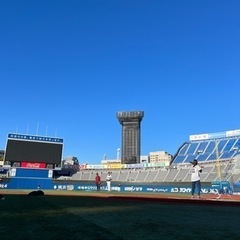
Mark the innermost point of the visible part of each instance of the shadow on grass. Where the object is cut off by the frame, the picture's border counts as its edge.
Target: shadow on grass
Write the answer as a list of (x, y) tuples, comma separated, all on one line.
[(62, 217)]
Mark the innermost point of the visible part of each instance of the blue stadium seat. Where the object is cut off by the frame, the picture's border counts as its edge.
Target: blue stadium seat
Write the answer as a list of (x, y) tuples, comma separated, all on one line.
[(208, 150)]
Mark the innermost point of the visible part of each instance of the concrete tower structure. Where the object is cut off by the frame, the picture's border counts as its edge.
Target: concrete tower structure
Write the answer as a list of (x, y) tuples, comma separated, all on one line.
[(131, 136)]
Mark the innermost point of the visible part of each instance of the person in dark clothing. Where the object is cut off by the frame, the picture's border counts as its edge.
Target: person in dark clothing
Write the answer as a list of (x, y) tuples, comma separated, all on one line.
[(98, 181)]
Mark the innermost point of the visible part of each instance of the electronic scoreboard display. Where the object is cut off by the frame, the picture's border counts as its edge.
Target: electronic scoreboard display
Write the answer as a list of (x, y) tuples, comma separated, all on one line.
[(33, 149)]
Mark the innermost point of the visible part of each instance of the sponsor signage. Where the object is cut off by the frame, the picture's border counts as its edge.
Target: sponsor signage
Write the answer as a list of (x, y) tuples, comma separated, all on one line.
[(157, 189), (83, 166), (33, 165), (167, 189), (3, 186), (198, 137), (114, 165), (233, 133), (138, 165), (133, 189), (206, 136), (34, 138)]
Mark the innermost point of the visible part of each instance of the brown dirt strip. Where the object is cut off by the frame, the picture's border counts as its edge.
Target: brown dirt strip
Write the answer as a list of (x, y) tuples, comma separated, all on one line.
[(163, 197)]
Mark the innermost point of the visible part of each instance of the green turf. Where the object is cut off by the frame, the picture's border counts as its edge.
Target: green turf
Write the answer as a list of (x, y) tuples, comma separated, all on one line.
[(60, 217)]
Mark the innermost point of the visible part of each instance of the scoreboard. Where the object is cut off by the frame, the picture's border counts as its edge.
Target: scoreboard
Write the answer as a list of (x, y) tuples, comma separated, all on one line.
[(33, 151)]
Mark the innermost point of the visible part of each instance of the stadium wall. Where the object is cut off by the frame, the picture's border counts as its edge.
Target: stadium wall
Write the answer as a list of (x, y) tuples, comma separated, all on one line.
[(33, 179), (49, 184)]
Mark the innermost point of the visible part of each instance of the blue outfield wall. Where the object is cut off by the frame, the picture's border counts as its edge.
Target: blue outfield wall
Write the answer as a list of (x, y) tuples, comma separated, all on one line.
[(31, 173), (29, 183), (32, 179), (50, 184), (132, 188)]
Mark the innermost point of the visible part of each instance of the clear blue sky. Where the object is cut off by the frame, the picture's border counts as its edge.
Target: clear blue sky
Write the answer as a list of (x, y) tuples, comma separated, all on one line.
[(67, 67)]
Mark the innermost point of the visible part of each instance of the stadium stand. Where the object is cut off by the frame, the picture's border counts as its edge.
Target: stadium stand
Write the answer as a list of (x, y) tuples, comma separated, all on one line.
[(172, 173), (141, 176), (122, 176), (151, 175), (85, 175), (179, 174), (206, 150), (216, 154)]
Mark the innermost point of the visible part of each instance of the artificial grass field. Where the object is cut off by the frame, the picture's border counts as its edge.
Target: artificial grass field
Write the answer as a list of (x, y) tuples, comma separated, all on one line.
[(80, 217)]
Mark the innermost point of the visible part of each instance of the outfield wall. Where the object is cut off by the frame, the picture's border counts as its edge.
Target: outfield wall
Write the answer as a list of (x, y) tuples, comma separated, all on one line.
[(32, 179), (50, 184)]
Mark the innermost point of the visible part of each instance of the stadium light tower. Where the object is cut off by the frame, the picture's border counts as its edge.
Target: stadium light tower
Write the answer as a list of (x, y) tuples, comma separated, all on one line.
[(118, 153), (131, 136)]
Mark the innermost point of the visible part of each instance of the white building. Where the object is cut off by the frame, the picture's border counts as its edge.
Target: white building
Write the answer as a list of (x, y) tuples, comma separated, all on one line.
[(144, 159), (161, 157)]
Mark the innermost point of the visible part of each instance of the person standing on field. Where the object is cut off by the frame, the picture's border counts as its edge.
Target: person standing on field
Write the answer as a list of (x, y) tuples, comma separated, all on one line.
[(195, 177), (108, 180), (98, 181)]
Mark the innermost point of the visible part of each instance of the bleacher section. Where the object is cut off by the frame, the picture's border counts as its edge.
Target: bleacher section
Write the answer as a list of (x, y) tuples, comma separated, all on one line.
[(207, 150), (211, 172), (215, 152)]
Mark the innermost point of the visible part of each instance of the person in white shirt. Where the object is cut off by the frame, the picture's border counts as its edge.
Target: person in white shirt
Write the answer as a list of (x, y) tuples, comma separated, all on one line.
[(195, 177), (108, 180)]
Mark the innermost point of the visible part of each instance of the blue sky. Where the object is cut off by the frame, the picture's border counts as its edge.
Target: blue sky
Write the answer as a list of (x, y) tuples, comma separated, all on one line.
[(67, 67)]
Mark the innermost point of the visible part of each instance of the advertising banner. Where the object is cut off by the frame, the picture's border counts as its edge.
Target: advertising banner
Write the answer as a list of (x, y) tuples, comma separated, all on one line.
[(33, 165), (114, 166)]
